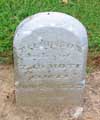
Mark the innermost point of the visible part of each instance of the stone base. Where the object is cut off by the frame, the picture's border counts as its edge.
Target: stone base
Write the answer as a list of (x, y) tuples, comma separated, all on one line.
[(49, 96)]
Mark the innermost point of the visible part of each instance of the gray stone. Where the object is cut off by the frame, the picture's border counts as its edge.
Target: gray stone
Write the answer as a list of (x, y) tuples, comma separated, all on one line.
[(50, 52)]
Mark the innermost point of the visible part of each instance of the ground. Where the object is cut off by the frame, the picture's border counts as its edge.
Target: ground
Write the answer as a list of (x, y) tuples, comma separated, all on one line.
[(9, 110)]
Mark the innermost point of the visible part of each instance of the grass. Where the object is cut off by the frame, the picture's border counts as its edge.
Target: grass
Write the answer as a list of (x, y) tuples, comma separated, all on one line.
[(12, 12)]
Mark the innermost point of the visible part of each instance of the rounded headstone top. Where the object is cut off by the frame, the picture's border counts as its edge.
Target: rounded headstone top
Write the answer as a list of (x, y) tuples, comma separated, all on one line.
[(51, 19)]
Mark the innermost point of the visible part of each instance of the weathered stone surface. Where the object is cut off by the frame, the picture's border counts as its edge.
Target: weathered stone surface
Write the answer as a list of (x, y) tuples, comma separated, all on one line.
[(50, 51)]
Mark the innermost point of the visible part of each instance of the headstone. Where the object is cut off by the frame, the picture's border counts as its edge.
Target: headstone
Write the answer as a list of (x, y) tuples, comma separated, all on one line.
[(50, 52)]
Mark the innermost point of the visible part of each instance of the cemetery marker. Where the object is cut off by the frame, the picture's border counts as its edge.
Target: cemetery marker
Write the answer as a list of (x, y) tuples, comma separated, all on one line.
[(50, 52)]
